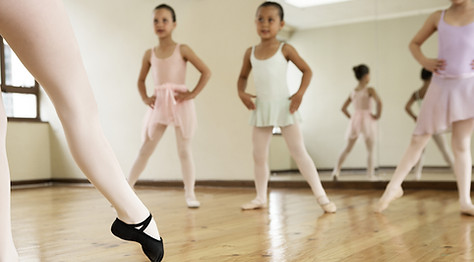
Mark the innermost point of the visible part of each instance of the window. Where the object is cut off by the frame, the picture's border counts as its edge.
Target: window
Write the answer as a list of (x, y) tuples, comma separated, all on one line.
[(20, 91)]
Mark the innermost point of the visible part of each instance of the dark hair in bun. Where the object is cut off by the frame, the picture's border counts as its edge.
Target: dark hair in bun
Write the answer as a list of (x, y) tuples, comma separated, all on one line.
[(360, 71)]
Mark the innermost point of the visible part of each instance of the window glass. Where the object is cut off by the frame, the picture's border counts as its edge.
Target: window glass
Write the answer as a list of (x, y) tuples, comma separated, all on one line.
[(20, 105), (15, 73)]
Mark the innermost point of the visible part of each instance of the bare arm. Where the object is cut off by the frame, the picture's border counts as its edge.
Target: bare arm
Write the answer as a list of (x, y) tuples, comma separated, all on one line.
[(424, 33), (189, 55), (150, 101), (345, 106), (378, 103), (292, 55), (409, 105), (242, 81)]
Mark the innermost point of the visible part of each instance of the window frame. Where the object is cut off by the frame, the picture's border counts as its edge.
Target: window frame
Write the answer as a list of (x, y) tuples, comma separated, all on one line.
[(16, 89)]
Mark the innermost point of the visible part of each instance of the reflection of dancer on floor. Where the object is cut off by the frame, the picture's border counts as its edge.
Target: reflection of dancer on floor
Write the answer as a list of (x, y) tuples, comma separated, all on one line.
[(362, 120), (439, 139), (449, 100), (40, 34), (171, 102), (274, 106)]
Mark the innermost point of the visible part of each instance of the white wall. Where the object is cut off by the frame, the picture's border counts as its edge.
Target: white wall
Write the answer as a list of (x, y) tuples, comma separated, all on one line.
[(28, 151)]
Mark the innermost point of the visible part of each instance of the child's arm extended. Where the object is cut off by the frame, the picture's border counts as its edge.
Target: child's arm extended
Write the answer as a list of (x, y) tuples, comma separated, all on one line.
[(150, 101), (424, 33), (189, 55), (378, 103), (408, 106), (290, 53), (242, 82)]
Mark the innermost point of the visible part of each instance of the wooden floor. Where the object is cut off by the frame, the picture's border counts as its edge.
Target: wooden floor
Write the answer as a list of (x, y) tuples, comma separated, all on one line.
[(72, 224)]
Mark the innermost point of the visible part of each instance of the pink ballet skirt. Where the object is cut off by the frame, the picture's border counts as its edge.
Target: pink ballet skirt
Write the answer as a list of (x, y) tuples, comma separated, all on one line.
[(167, 111), (361, 122), (449, 99)]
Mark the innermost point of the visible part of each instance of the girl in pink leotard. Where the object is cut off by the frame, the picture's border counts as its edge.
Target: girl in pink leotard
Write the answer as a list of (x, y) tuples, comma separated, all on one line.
[(171, 102), (448, 103), (362, 121)]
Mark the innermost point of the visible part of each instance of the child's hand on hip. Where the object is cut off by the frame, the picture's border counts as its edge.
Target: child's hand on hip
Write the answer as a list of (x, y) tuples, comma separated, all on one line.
[(295, 102), (183, 96), (247, 100), (150, 101)]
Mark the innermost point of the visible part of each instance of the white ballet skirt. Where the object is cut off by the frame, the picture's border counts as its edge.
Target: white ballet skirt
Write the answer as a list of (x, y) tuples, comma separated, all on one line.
[(274, 112)]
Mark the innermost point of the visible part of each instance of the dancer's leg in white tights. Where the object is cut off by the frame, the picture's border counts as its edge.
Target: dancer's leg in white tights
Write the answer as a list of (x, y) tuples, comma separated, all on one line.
[(419, 166), (347, 149), (7, 247), (294, 140), (40, 34), (187, 167), (147, 149), (441, 143), (261, 137), (409, 159), (370, 144), (461, 144)]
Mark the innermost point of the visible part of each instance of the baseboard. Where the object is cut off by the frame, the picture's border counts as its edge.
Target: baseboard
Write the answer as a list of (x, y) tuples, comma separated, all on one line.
[(366, 185)]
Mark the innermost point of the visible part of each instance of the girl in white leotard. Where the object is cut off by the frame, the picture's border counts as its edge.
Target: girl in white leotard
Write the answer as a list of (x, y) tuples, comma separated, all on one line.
[(274, 106)]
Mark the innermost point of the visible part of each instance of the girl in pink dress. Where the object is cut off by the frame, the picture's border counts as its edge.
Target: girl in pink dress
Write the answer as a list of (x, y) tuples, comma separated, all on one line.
[(362, 121), (448, 104), (171, 102)]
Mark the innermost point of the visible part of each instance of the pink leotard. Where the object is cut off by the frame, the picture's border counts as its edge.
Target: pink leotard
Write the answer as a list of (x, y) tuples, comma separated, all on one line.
[(361, 120), (169, 76)]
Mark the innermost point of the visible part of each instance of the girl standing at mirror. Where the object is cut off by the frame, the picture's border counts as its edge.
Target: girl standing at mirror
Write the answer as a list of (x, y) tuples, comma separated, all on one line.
[(448, 104), (274, 106), (439, 139), (362, 121), (171, 103), (41, 35)]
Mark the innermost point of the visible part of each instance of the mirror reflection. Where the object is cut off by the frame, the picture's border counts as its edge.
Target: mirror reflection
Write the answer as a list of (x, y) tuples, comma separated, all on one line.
[(333, 38)]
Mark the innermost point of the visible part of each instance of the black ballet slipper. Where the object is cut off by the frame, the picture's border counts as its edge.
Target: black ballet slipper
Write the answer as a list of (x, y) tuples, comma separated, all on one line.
[(152, 247)]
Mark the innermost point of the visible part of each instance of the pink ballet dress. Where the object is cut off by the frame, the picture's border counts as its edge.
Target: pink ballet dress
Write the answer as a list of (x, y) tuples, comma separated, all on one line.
[(361, 120), (169, 76), (450, 97)]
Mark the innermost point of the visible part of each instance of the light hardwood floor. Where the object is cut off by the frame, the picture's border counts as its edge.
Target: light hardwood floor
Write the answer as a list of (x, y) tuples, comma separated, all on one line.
[(60, 223)]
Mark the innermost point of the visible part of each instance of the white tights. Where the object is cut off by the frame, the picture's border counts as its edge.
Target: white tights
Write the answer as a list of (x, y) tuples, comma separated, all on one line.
[(294, 140), (441, 143), (369, 143), (184, 152), (40, 34), (461, 146)]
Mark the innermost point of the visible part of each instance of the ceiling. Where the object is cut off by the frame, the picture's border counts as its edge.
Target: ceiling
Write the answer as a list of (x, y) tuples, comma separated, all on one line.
[(357, 11)]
